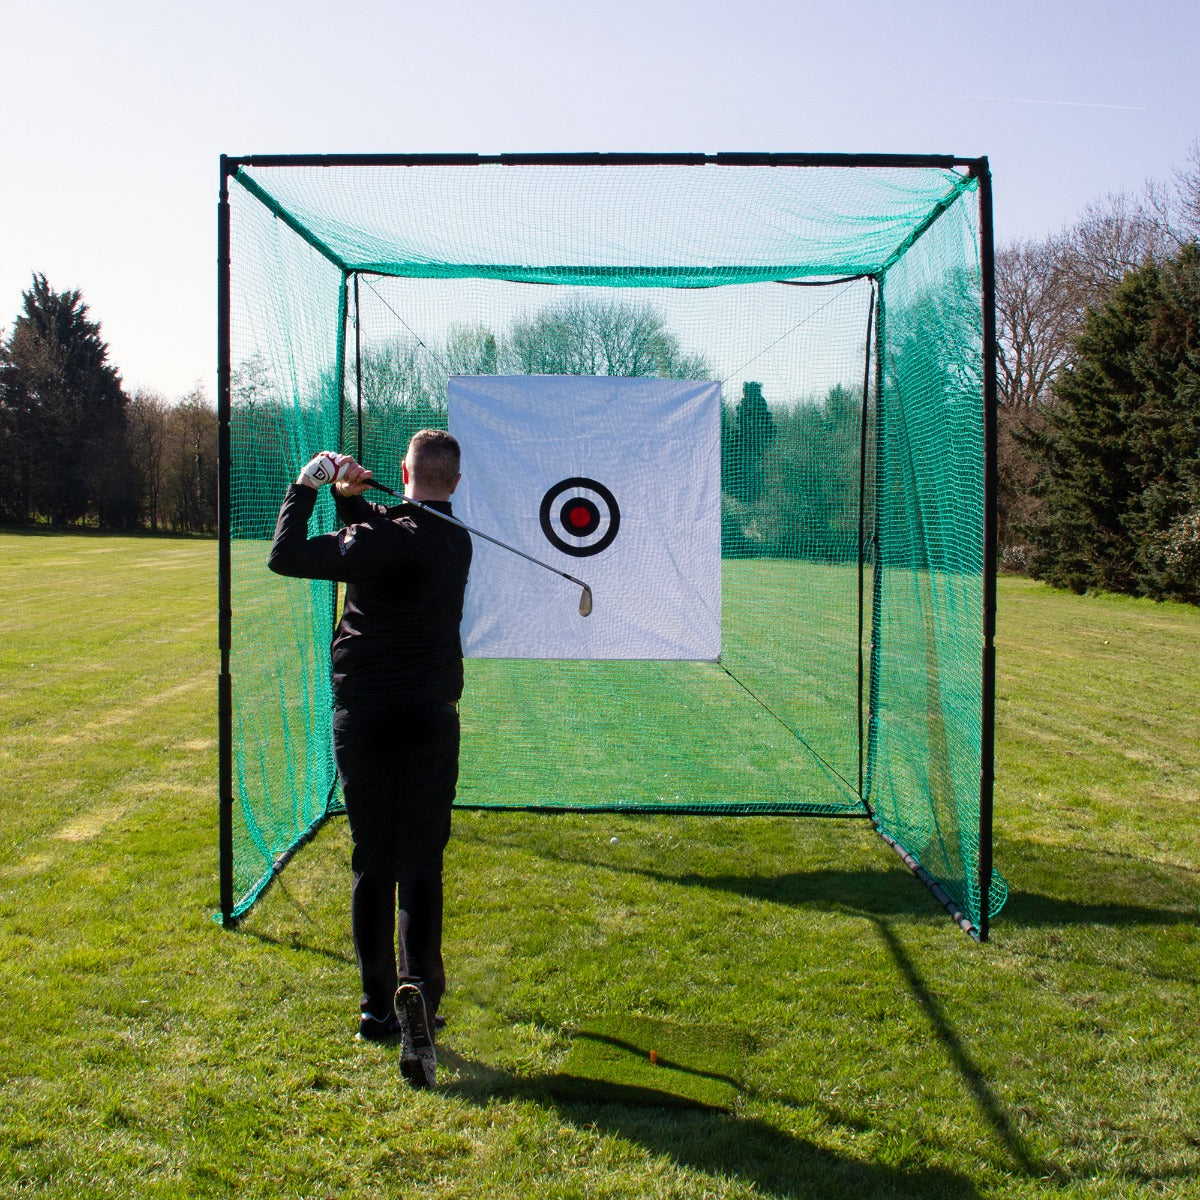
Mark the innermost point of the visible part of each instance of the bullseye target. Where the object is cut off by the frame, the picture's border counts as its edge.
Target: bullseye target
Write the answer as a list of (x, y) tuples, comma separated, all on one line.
[(580, 516)]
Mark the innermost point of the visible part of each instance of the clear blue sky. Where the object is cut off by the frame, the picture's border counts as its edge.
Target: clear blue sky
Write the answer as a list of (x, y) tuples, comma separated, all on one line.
[(115, 114)]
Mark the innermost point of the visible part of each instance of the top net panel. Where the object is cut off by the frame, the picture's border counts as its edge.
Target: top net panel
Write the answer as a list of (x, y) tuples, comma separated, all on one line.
[(643, 225)]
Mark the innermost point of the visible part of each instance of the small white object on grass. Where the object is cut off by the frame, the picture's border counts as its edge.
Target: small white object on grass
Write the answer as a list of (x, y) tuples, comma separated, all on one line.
[(613, 841)]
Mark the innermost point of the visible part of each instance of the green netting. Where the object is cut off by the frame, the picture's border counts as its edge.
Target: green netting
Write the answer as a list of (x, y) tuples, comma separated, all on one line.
[(840, 309)]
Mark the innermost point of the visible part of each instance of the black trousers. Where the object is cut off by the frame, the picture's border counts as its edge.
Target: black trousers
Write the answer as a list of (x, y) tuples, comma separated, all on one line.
[(398, 767)]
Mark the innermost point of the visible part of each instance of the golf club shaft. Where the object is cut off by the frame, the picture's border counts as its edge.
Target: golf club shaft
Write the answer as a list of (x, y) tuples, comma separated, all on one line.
[(477, 532)]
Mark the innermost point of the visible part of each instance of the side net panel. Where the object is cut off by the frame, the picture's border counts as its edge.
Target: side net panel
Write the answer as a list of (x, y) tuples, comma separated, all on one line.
[(844, 679), (285, 321), (927, 687)]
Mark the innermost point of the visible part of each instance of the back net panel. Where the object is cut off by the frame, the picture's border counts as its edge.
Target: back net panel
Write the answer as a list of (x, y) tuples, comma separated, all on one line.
[(848, 682)]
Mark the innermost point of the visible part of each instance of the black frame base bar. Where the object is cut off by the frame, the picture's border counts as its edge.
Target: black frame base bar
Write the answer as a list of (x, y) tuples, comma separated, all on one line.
[(940, 894)]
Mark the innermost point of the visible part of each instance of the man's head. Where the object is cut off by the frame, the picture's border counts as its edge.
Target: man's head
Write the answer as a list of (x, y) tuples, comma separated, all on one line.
[(431, 465)]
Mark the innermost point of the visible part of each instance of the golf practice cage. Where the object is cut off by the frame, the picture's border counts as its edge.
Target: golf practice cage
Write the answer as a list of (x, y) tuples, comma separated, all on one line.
[(844, 305)]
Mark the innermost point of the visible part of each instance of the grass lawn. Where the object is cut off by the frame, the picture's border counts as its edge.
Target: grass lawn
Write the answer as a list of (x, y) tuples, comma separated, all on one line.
[(147, 1052)]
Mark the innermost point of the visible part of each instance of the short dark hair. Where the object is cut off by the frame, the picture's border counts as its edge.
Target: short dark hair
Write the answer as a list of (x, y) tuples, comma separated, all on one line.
[(433, 459)]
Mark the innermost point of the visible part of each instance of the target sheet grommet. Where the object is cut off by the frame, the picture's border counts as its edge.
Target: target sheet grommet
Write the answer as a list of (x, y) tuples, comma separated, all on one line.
[(580, 516)]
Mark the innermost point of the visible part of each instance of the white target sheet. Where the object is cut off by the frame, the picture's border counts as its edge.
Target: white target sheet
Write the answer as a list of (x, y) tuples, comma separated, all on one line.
[(615, 481)]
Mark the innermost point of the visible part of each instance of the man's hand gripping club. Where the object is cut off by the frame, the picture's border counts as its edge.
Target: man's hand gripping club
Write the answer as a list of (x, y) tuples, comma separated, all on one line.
[(338, 469)]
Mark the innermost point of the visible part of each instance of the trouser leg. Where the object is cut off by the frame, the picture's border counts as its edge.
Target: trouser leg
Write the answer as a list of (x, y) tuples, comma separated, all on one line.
[(433, 762), (360, 749), (420, 938), (373, 923), (399, 770)]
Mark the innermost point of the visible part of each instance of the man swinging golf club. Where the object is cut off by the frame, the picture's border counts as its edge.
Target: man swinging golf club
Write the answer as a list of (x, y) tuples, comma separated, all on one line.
[(397, 678)]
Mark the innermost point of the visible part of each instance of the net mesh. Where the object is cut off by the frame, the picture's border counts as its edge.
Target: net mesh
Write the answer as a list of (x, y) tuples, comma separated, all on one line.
[(839, 308)]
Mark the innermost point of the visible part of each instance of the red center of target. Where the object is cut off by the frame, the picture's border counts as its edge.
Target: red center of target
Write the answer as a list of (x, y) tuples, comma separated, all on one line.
[(579, 516)]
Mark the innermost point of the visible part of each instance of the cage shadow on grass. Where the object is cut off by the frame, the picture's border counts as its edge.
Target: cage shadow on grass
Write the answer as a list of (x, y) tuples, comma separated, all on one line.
[(294, 941), (986, 1100), (891, 892), (878, 895), (1150, 893), (719, 1143), (881, 896), (281, 929)]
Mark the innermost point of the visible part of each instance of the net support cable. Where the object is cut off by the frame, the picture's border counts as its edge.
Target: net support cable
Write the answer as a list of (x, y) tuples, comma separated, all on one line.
[(827, 766)]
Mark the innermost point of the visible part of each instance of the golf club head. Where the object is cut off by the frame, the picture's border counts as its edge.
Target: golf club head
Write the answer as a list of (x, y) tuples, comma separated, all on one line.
[(585, 601)]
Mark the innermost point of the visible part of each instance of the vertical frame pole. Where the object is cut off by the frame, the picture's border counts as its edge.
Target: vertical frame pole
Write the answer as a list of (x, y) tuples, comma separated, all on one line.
[(224, 535), (358, 370), (877, 556), (335, 589), (991, 476), (343, 316), (868, 355)]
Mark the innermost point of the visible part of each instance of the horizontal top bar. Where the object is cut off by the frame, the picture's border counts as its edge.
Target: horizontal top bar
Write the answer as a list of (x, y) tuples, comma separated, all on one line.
[(230, 163)]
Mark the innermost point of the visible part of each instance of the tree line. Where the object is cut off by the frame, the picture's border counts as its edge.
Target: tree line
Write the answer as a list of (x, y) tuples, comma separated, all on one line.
[(790, 471), (1099, 438), (1099, 383), (78, 449)]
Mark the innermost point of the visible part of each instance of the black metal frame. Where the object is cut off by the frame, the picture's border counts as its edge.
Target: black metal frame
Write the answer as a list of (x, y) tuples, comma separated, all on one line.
[(224, 586), (991, 486), (977, 167), (870, 358), (725, 159)]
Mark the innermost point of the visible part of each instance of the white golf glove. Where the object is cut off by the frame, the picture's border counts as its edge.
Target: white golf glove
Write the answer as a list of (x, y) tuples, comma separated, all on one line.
[(325, 467)]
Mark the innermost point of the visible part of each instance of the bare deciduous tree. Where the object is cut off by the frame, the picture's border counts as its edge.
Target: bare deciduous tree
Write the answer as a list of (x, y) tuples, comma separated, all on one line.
[(1035, 320), (599, 337), (149, 419), (1115, 235), (190, 469), (1187, 194)]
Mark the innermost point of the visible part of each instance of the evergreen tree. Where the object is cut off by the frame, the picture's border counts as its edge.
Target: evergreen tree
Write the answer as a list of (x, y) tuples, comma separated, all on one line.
[(750, 437), (63, 414), (1165, 437), (1121, 448)]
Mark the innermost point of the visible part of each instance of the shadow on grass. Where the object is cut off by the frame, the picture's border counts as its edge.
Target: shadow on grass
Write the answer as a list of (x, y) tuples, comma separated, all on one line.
[(895, 893), (977, 1083), (882, 895), (892, 891), (295, 941), (720, 1144)]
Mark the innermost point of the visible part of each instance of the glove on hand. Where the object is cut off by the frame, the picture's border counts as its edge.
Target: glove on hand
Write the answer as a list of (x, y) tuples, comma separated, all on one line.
[(326, 467)]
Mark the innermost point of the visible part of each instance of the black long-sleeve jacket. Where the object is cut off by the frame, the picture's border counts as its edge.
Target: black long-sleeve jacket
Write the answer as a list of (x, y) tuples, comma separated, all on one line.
[(405, 573)]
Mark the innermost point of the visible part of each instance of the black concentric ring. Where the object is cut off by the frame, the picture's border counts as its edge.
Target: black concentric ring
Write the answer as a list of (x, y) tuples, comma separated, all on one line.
[(587, 507)]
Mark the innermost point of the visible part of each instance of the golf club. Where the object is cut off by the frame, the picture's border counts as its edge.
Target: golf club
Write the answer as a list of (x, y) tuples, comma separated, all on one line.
[(585, 596)]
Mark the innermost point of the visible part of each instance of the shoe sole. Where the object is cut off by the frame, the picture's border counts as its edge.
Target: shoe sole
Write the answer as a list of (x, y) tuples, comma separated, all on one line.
[(418, 1058)]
